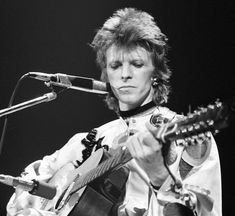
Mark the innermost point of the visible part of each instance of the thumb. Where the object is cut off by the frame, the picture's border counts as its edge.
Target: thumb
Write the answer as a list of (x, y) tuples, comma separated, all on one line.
[(153, 130)]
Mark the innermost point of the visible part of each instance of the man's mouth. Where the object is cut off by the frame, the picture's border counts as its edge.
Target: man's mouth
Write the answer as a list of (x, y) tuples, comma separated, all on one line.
[(126, 87)]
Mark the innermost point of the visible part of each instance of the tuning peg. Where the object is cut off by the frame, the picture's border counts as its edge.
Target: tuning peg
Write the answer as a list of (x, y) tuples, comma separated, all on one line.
[(196, 126), (218, 101), (184, 131), (202, 109), (187, 141), (215, 132), (202, 137), (207, 135), (197, 139), (196, 111), (194, 140), (190, 128), (210, 106), (210, 122), (203, 124), (191, 141), (190, 115)]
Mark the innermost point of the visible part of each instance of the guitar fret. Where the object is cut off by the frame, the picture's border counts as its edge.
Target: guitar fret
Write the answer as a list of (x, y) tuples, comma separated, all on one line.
[(117, 160), (113, 162), (84, 180), (109, 164), (102, 168), (98, 172), (90, 176)]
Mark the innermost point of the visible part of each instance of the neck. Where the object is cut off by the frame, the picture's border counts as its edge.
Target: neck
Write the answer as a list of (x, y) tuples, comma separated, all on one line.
[(138, 110)]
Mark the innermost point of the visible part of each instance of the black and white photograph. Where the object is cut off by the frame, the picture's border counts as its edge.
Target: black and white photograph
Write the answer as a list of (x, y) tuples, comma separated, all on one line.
[(117, 108)]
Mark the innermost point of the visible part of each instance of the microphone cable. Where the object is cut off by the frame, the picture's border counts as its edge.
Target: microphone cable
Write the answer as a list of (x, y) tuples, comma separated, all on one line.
[(9, 105)]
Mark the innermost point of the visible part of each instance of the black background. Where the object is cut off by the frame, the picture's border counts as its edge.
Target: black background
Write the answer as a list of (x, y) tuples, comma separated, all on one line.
[(53, 36)]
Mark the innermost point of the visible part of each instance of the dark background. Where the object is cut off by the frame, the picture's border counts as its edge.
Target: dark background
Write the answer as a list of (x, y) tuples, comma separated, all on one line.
[(53, 36)]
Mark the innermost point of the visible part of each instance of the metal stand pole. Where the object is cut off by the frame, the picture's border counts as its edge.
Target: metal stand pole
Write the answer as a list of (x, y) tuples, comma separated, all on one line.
[(45, 98)]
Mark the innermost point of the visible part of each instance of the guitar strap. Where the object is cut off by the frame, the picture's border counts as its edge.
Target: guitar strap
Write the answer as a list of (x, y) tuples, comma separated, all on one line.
[(90, 143)]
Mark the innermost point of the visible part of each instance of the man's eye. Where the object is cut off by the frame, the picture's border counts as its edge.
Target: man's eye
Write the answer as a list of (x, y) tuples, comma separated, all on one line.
[(138, 64), (115, 66)]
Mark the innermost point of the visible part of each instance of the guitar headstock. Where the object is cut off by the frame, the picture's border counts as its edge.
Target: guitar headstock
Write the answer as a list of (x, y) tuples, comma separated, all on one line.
[(212, 118)]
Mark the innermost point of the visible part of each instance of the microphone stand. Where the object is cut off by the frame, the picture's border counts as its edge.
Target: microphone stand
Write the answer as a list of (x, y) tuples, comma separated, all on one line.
[(34, 187), (45, 98)]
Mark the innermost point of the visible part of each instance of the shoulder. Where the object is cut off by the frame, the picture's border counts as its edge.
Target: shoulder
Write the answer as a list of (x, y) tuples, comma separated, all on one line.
[(108, 126), (165, 111), (77, 137), (73, 148)]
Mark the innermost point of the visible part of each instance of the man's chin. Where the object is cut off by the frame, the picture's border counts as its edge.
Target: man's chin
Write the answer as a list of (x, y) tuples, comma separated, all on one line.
[(129, 102)]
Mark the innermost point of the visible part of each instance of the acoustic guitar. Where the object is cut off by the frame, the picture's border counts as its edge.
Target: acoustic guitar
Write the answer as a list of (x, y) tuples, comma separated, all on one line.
[(94, 188)]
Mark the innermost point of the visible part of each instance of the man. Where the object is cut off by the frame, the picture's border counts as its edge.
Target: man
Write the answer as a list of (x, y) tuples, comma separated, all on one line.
[(131, 52)]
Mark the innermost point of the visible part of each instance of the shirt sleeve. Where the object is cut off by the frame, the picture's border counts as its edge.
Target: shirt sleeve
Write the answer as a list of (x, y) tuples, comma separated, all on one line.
[(44, 170), (204, 172)]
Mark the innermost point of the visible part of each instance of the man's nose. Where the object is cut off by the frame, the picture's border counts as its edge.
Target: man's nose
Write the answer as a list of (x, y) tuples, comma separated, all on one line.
[(126, 72)]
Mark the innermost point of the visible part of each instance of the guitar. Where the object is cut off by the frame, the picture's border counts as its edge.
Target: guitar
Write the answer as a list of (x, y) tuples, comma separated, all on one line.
[(77, 197)]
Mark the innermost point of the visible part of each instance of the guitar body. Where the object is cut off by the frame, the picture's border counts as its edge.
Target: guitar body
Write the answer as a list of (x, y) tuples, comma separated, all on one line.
[(99, 198), (102, 198), (90, 203), (63, 178)]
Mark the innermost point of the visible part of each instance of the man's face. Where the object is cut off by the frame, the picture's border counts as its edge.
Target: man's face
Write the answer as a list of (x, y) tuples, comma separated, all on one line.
[(129, 72)]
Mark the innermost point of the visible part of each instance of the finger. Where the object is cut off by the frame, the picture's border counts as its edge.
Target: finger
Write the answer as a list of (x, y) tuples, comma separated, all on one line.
[(149, 140), (158, 133), (133, 146), (152, 129), (143, 145)]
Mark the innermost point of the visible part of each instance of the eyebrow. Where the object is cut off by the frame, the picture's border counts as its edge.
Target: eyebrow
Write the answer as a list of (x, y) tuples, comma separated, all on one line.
[(137, 58)]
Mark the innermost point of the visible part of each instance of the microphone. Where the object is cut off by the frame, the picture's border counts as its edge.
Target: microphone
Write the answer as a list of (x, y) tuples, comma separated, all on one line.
[(34, 187), (72, 82)]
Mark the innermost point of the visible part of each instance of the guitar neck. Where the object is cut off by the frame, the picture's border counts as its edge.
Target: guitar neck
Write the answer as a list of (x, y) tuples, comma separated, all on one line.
[(117, 160), (212, 118)]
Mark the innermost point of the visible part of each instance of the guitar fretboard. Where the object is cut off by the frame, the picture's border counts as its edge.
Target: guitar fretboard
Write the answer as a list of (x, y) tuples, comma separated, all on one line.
[(121, 157)]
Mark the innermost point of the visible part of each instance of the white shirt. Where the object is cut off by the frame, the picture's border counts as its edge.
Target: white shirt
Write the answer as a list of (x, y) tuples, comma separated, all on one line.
[(140, 197)]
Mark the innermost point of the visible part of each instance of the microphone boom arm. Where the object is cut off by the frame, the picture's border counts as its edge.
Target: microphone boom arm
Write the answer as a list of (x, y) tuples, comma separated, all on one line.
[(45, 98)]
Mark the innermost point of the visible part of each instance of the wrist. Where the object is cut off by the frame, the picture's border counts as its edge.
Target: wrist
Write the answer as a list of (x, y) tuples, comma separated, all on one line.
[(158, 179)]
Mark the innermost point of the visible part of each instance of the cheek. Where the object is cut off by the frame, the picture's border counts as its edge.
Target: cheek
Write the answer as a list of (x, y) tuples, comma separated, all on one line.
[(146, 87), (111, 78), (146, 81)]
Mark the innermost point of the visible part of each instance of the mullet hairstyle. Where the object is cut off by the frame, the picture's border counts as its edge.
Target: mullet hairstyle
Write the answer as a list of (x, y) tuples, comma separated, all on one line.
[(128, 28)]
